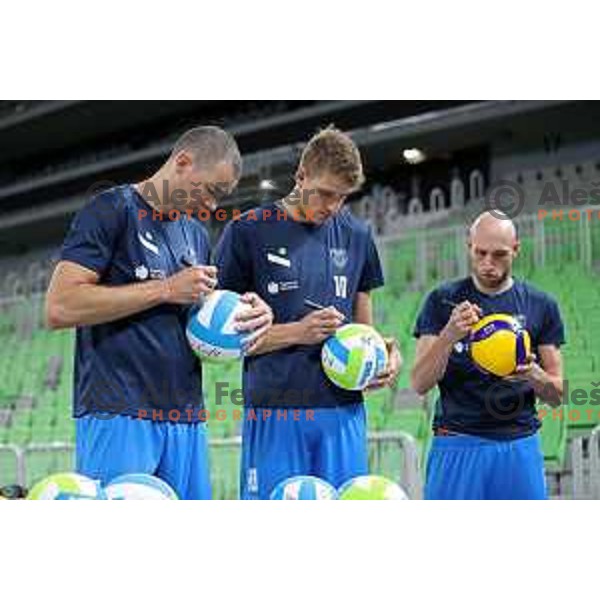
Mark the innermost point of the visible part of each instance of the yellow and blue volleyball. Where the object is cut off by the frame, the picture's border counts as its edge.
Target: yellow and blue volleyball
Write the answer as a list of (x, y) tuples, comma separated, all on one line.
[(371, 487), (139, 486), (67, 486), (211, 329), (498, 344), (354, 356), (304, 487)]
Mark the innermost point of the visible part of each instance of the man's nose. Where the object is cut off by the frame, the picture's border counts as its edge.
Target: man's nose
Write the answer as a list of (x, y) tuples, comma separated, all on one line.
[(487, 261)]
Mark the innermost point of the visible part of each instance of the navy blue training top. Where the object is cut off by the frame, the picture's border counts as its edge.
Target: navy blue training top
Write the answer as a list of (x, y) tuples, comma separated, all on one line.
[(141, 362), (474, 402), (286, 261)]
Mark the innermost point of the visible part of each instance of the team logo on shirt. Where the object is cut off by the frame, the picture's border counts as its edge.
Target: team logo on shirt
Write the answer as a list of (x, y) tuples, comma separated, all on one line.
[(157, 274), (147, 240), (141, 272), (460, 347), (277, 259), (339, 257), (521, 320), (274, 287)]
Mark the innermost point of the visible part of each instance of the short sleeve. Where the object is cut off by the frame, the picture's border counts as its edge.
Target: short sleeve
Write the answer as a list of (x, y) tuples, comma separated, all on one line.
[(371, 276), (91, 238), (553, 330), (232, 259), (202, 248), (432, 318)]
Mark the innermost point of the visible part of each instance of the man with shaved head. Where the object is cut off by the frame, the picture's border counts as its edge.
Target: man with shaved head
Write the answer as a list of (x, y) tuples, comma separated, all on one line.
[(486, 443)]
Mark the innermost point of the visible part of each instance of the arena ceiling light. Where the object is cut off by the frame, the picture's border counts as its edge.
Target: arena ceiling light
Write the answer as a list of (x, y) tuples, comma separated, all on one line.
[(414, 156)]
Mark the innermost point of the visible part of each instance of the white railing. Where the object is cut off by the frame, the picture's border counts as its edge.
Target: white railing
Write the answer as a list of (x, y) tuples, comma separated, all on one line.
[(585, 461), (225, 476)]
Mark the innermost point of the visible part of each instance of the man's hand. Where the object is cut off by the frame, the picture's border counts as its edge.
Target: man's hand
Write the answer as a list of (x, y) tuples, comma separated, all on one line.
[(463, 317), (529, 372), (387, 377), (188, 285), (257, 320), (318, 325), (545, 377)]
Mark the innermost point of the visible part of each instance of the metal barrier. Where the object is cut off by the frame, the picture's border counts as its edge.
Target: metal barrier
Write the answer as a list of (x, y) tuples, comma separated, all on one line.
[(225, 477), (594, 452), (410, 473), (580, 467), (584, 454), (15, 473), (41, 460), (391, 453), (591, 481)]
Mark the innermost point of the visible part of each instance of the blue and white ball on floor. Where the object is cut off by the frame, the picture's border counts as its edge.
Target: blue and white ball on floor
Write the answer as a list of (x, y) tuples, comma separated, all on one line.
[(139, 486), (304, 488), (211, 329)]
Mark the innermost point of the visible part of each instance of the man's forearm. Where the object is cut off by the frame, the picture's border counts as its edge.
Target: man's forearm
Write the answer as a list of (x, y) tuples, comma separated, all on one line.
[(91, 304), (430, 367), (547, 388), (279, 337)]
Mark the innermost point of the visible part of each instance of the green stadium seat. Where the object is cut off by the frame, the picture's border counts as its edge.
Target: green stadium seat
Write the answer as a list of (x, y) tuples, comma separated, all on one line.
[(4, 434)]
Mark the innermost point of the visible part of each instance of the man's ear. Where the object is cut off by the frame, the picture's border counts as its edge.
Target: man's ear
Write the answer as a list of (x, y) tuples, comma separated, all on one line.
[(300, 176), (517, 248)]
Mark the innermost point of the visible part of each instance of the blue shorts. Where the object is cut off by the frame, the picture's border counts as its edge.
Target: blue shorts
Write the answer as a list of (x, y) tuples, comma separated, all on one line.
[(465, 467), (330, 443), (117, 445)]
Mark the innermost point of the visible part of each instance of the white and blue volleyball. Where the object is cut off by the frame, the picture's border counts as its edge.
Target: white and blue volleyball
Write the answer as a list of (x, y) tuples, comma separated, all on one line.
[(67, 486), (354, 356), (139, 486), (304, 487), (211, 327)]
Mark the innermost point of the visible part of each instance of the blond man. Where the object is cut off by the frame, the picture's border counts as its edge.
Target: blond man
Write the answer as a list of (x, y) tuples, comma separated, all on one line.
[(306, 248)]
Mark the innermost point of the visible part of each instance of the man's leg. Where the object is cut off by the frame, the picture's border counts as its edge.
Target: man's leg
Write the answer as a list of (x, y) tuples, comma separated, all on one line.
[(341, 451), (184, 464), (273, 448), (458, 468), (111, 445), (519, 471)]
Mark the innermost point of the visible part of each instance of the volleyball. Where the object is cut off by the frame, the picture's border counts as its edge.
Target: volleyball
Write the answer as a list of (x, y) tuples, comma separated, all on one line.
[(211, 327), (139, 486), (66, 486), (499, 344), (354, 356), (371, 487), (304, 488)]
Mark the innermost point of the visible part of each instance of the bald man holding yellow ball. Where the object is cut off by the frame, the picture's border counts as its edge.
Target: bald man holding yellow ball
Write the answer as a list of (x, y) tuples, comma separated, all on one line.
[(486, 443)]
